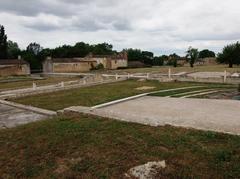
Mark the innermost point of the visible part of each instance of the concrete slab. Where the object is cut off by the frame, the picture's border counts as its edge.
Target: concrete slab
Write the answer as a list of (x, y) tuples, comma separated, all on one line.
[(11, 116), (205, 114)]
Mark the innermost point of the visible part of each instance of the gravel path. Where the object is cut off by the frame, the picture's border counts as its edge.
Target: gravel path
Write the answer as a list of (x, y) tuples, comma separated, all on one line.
[(205, 114)]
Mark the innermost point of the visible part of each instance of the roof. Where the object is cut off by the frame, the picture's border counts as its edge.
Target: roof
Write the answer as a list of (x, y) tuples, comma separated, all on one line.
[(71, 60), (12, 62)]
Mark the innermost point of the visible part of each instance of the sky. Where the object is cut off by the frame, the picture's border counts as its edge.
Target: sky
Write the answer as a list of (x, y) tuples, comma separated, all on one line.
[(160, 26)]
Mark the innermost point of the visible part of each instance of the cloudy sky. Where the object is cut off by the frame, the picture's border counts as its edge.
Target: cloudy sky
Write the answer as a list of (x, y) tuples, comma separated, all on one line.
[(161, 26)]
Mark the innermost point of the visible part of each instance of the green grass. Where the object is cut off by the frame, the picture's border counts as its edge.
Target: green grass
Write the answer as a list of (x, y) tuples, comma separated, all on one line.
[(89, 96), (177, 93), (90, 147), (164, 69), (26, 82)]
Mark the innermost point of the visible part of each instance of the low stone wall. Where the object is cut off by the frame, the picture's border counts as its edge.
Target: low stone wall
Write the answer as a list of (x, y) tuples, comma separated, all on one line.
[(208, 80), (85, 82)]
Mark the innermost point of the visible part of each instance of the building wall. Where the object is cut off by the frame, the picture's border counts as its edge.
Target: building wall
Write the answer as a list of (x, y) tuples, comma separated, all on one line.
[(73, 67), (47, 66), (100, 61), (10, 70), (115, 64)]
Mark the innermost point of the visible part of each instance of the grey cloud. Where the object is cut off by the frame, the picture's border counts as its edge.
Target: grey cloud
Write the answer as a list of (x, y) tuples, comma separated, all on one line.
[(42, 27), (164, 24), (34, 7)]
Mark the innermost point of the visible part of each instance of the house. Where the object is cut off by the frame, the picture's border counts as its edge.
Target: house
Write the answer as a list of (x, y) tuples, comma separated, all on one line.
[(206, 61), (12, 67), (68, 65), (76, 65)]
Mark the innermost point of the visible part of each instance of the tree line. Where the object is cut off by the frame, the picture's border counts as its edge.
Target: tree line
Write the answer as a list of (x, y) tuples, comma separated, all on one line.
[(35, 53)]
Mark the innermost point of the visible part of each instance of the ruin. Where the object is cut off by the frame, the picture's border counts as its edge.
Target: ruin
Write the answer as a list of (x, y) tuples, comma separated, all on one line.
[(74, 65), (10, 67)]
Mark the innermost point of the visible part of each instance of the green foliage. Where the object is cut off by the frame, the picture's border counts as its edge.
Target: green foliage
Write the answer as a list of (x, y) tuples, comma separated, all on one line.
[(100, 66), (82, 49), (145, 57), (34, 48), (192, 55), (172, 59), (159, 61), (206, 53), (13, 50), (230, 55), (3, 43)]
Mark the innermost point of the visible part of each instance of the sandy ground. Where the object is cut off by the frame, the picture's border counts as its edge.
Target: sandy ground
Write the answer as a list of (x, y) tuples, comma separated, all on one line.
[(11, 117), (205, 114)]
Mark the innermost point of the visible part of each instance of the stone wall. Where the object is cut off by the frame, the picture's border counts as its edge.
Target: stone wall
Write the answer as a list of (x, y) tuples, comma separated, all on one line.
[(115, 64), (73, 67), (10, 70)]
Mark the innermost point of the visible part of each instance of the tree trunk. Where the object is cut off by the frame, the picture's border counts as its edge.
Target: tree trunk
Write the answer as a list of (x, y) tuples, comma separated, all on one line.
[(230, 65)]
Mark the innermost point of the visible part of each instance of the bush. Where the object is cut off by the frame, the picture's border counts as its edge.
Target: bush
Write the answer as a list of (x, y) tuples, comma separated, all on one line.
[(100, 66)]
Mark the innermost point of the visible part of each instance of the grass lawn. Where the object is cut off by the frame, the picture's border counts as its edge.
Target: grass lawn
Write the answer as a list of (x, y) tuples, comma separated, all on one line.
[(164, 69), (27, 82), (177, 93), (90, 147), (90, 96)]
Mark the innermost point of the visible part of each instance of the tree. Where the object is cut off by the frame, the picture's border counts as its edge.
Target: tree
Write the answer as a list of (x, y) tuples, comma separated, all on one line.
[(134, 54), (102, 49), (230, 54), (147, 57), (192, 55), (34, 48), (172, 59), (13, 50), (3, 43), (206, 53)]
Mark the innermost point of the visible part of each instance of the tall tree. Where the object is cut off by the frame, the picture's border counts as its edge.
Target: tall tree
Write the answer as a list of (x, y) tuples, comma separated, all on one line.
[(13, 49), (192, 55), (34, 48), (3, 43), (230, 54), (206, 53)]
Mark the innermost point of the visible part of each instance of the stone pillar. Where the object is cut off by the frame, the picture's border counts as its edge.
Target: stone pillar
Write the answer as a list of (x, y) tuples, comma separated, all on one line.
[(34, 86)]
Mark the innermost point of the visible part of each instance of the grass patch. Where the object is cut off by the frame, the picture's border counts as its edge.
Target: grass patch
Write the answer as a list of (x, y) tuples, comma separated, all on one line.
[(90, 147), (177, 93), (164, 69), (26, 82), (89, 96)]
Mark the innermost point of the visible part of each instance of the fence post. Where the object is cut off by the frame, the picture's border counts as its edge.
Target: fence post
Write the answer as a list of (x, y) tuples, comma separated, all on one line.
[(147, 75), (116, 76), (225, 76), (128, 76), (62, 84), (34, 86), (169, 73)]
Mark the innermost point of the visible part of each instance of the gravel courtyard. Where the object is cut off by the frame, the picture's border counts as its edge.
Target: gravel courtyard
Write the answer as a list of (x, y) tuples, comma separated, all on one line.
[(214, 115), (11, 116)]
